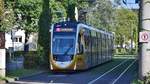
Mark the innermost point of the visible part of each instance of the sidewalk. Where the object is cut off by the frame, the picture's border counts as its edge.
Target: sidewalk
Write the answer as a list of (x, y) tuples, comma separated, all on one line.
[(21, 82), (14, 79)]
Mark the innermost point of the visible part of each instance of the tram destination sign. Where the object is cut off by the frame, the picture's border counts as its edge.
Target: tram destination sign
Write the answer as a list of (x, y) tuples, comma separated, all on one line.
[(2, 40), (64, 30)]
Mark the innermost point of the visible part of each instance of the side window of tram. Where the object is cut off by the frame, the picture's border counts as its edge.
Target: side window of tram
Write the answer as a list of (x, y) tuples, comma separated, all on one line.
[(80, 44), (86, 40)]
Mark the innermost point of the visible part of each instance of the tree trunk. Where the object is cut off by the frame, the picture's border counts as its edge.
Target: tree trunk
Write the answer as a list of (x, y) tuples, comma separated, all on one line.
[(71, 12), (26, 45)]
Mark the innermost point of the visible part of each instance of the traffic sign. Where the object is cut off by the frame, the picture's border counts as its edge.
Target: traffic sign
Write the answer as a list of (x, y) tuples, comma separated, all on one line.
[(144, 36)]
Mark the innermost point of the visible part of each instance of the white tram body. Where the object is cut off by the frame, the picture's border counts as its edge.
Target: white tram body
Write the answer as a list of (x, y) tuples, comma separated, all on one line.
[(76, 46)]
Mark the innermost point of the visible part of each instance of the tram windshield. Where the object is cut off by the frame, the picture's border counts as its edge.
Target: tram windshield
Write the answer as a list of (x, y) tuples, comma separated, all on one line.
[(63, 45)]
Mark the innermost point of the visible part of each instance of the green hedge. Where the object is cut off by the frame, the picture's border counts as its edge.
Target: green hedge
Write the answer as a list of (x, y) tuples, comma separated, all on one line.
[(19, 53), (123, 51), (33, 60), (145, 81)]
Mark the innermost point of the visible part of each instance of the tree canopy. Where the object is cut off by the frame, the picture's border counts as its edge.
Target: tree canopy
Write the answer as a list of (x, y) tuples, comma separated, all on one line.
[(126, 26), (101, 14), (7, 17), (38, 15), (28, 13), (58, 11), (1, 7)]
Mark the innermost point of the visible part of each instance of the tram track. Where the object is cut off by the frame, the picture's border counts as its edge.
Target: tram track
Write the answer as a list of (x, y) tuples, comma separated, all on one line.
[(114, 82), (113, 75), (120, 70)]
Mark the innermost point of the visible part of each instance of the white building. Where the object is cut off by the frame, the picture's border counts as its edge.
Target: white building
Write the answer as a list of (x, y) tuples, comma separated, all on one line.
[(18, 40)]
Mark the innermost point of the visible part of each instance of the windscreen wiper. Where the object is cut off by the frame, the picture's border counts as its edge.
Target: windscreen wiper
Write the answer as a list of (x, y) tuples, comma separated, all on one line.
[(68, 50)]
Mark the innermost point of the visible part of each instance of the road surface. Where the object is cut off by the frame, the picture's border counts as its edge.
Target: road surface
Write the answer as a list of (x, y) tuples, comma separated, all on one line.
[(118, 71)]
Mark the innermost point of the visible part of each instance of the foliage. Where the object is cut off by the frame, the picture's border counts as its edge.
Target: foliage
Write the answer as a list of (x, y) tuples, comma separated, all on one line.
[(32, 60), (22, 72), (44, 34), (35, 59), (38, 15), (145, 81), (40, 55), (7, 17), (58, 11), (1, 7), (2, 78), (101, 15), (70, 5), (137, 82), (28, 13), (106, 15), (126, 22)]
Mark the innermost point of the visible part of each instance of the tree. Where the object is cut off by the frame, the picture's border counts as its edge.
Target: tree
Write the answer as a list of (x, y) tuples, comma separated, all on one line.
[(1, 7), (70, 8), (28, 13), (1, 11), (126, 26), (44, 27), (101, 15), (58, 11), (7, 17)]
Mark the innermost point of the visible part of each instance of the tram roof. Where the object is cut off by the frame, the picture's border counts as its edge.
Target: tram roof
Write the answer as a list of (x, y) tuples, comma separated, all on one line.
[(94, 29), (74, 23)]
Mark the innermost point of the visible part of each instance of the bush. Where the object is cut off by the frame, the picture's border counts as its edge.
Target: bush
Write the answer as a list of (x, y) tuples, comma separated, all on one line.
[(34, 59), (18, 53), (145, 81), (137, 82), (30, 60), (123, 51)]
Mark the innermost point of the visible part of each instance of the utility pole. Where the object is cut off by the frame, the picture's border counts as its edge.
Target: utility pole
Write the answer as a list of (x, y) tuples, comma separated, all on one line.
[(144, 54), (2, 44), (2, 55)]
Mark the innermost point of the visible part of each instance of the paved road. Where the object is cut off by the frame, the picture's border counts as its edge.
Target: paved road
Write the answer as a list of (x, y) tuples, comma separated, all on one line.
[(118, 71)]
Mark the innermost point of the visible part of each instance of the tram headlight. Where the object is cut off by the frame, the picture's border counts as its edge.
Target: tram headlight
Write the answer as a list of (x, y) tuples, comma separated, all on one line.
[(54, 58)]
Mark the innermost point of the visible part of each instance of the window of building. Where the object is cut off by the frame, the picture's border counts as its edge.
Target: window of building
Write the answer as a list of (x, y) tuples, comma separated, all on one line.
[(18, 39)]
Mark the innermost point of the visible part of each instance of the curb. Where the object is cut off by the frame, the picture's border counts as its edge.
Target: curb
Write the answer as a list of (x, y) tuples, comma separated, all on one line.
[(22, 77), (40, 72)]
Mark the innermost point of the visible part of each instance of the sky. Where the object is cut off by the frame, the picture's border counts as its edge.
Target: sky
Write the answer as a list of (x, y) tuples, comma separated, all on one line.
[(130, 4)]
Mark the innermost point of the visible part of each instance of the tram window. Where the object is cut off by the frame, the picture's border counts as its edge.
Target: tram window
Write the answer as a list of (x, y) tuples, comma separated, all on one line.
[(107, 45), (93, 33), (86, 39), (100, 46), (80, 43), (99, 42), (63, 44)]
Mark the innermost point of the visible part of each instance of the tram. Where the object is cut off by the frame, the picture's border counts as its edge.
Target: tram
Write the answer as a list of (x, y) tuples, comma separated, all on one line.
[(77, 46)]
